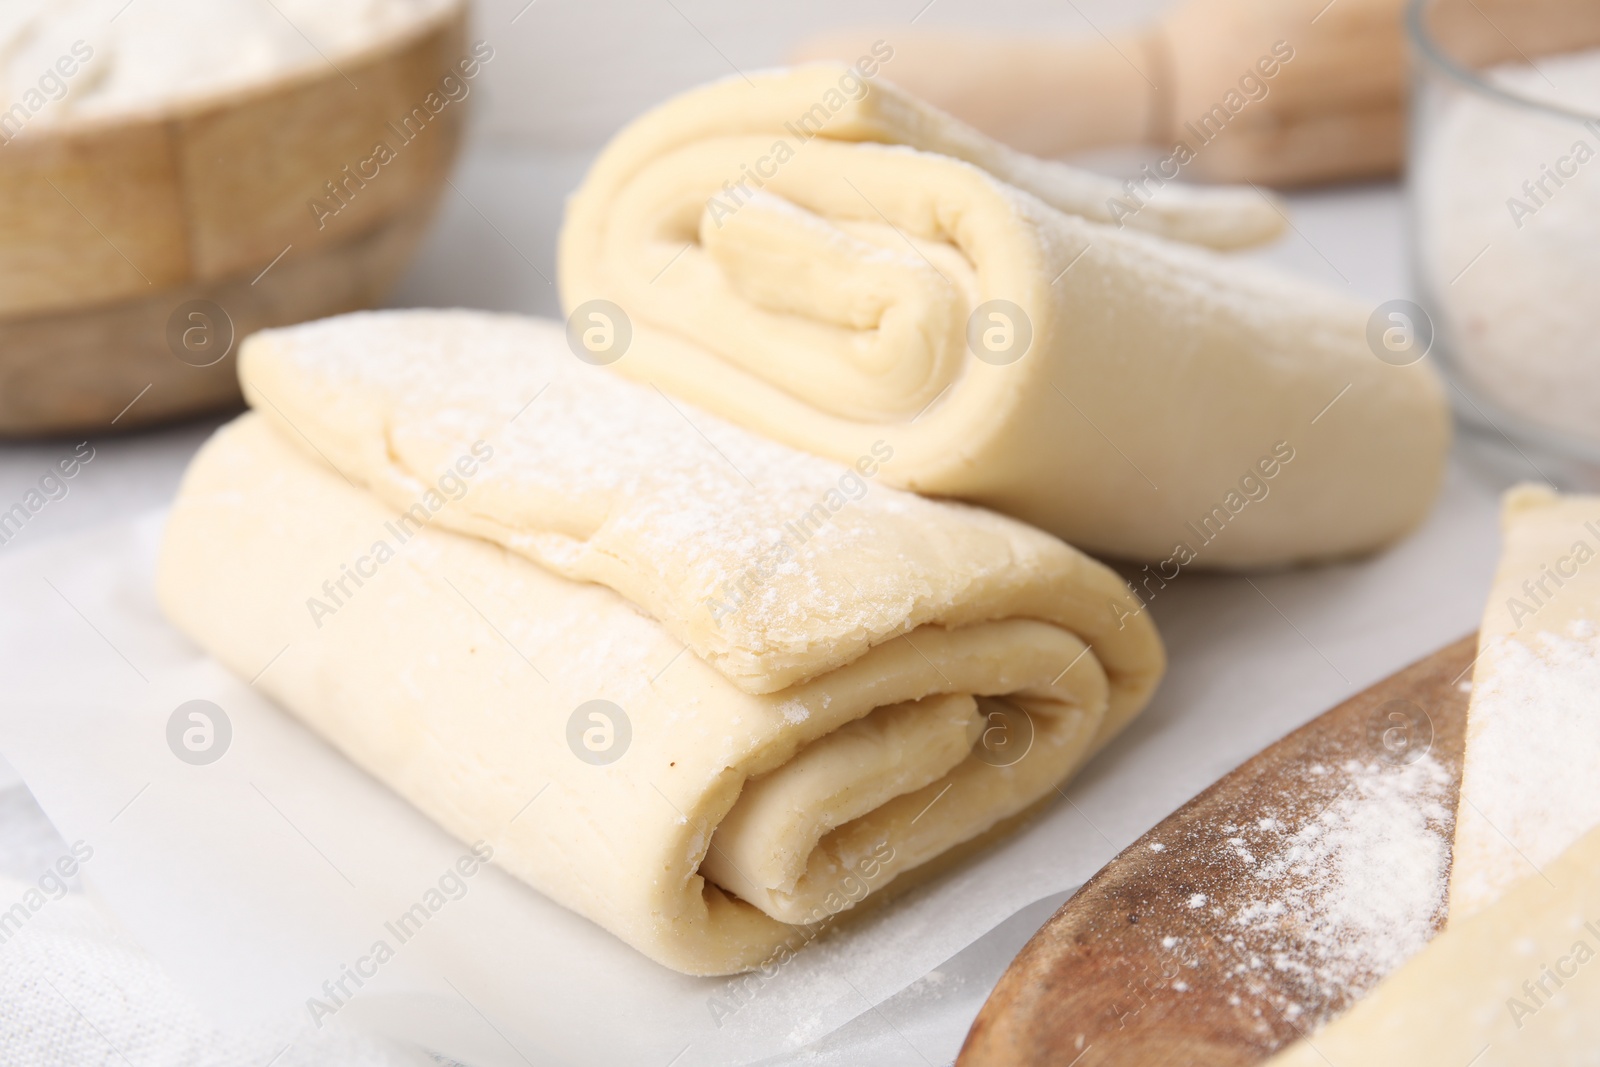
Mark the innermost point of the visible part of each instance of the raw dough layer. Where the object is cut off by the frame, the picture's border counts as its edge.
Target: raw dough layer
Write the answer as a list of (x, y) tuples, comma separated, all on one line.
[(443, 536), (814, 255), (1528, 784), (1515, 985)]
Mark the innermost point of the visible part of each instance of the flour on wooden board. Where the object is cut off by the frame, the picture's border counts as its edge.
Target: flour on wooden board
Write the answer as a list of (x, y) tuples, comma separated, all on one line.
[(1336, 902)]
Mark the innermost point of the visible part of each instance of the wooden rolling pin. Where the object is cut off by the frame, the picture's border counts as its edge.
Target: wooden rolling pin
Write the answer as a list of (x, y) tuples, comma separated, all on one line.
[(1132, 973), (1283, 92)]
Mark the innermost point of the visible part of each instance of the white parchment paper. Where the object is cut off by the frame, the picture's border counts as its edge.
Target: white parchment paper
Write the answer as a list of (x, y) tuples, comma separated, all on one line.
[(263, 879)]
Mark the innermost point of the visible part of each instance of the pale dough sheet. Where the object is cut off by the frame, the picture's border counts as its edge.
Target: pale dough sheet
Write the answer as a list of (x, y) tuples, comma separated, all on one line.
[(802, 723), (1529, 784), (818, 288)]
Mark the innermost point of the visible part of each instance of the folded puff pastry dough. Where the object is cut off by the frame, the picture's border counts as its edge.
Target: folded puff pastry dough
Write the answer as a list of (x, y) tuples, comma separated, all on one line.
[(463, 535), (819, 287)]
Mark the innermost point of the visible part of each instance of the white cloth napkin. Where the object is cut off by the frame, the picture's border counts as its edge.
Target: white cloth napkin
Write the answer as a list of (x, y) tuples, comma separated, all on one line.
[(76, 989)]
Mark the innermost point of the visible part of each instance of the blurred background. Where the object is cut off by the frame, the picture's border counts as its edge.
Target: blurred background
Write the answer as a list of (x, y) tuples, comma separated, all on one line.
[(577, 72), (566, 76)]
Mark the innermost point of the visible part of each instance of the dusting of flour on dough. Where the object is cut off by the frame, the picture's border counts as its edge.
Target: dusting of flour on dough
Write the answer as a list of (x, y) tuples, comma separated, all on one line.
[(593, 469), (1534, 729)]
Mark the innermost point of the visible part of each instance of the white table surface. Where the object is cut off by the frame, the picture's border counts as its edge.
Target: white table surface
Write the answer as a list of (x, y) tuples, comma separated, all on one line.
[(493, 247)]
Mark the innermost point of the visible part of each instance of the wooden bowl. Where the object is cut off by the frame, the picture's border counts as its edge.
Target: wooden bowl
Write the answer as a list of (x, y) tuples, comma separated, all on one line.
[(136, 250)]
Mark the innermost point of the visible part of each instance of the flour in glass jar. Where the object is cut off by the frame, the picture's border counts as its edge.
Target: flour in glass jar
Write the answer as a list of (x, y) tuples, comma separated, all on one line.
[(1507, 200)]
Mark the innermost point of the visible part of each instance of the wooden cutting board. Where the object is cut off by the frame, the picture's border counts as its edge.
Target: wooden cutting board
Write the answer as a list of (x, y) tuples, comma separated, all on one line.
[(1146, 966)]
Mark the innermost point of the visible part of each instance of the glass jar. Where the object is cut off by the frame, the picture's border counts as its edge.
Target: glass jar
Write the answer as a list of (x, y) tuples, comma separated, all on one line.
[(1504, 190)]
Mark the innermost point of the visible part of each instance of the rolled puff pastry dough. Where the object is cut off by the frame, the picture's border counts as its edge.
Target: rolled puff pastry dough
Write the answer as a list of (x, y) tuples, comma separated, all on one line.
[(825, 267), (465, 536)]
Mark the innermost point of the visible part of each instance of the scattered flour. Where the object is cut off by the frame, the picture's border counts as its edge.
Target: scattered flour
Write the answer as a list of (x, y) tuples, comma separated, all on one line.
[(131, 56), (1509, 229), (1335, 904), (1357, 889), (795, 711), (682, 510)]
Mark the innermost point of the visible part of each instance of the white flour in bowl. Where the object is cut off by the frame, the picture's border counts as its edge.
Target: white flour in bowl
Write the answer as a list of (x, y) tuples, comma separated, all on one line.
[(63, 59), (1508, 205)]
